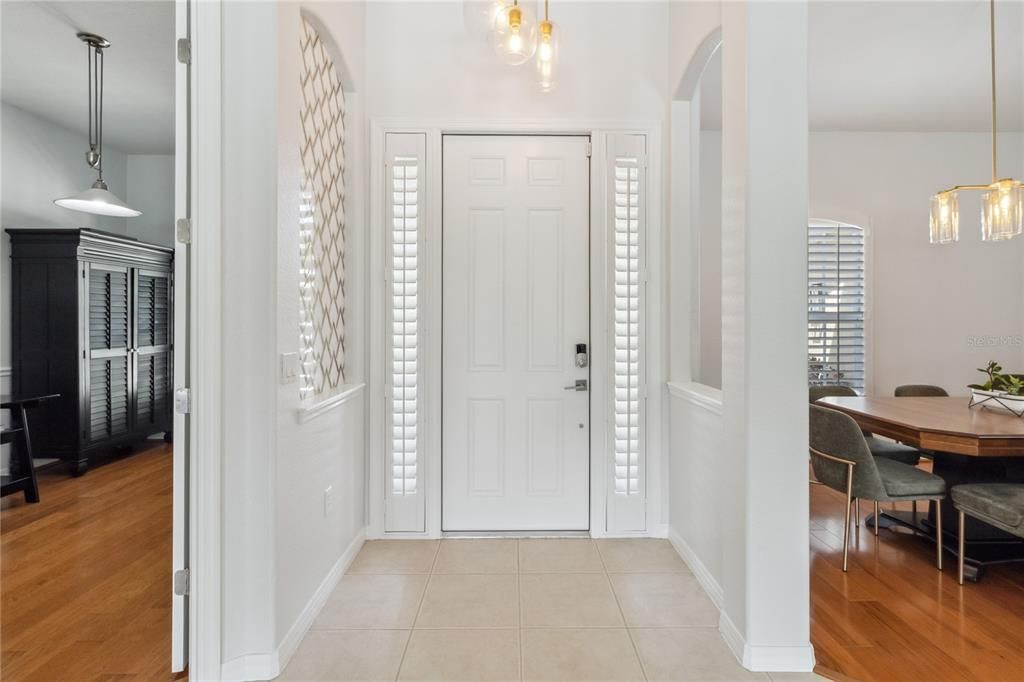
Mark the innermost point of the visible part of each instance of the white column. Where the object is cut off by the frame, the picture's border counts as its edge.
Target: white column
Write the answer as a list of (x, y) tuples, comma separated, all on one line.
[(764, 195)]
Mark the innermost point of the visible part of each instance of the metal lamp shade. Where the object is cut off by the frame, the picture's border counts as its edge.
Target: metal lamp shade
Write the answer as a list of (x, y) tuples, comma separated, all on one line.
[(98, 200)]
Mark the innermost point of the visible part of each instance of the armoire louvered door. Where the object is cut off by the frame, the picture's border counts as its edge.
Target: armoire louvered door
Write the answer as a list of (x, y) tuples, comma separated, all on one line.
[(109, 336), (92, 323), (152, 348)]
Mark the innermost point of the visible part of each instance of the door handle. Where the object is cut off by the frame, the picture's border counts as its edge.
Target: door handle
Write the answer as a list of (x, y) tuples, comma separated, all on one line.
[(580, 385)]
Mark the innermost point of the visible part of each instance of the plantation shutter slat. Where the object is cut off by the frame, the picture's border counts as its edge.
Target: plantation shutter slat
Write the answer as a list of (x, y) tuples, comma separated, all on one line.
[(835, 305), (405, 508), (626, 225)]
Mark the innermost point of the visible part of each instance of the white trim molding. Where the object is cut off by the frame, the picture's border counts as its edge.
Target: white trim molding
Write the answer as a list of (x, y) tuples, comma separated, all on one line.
[(430, 321), (267, 666), (700, 571), (347, 392), (768, 659), (701, 395), (205, 633)]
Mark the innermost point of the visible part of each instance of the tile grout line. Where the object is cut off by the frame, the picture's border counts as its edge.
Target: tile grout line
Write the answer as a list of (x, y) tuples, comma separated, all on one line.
[(419, 607), (519, 600), (622, 614)]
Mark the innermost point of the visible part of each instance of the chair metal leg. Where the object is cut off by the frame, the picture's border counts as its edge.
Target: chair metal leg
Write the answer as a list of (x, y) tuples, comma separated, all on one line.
[(876, 518), (846, 524), (960, 551), (856, 514), (913, 507), (938, 534)]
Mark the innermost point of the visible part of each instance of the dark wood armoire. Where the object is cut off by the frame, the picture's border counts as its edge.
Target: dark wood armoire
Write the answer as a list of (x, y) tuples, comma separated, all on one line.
[(91, 317)]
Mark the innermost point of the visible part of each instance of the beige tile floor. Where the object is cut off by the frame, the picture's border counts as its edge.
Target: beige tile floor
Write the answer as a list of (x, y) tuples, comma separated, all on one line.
[(507, 609)]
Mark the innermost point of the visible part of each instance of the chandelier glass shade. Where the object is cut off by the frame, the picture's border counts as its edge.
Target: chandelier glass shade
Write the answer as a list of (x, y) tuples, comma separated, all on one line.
[(944, 226), (1002, 200), (1002, 211)]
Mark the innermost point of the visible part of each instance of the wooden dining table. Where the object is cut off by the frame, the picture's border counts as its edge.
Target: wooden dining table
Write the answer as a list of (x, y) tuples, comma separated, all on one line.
[(967, 445)]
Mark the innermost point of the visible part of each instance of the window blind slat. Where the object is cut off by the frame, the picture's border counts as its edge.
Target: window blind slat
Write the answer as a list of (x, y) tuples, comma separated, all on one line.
[(835, 305)]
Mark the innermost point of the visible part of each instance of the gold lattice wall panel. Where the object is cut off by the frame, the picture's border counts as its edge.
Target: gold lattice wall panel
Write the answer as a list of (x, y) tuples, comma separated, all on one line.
[(321, 220)]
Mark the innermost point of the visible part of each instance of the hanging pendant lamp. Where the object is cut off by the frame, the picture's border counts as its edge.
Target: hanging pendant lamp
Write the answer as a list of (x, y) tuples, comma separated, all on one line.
[(1002, 204), (515, 34), (97, 199), (547, 52)]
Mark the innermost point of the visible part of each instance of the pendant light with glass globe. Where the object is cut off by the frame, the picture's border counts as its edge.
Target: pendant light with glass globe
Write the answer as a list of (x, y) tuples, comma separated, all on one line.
[(547, 52), (515, 34)]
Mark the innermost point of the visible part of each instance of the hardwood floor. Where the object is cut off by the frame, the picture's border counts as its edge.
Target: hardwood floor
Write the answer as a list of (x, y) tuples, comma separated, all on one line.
[(86, 574), (895, 617)]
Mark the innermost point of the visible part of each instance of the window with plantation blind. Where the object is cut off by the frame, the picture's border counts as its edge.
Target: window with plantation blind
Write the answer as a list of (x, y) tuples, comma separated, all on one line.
[(405, 508), (835, 305), (627, 217)]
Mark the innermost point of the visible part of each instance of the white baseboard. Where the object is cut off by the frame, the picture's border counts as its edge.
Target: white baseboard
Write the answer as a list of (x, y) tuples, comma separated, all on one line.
[(700, 571), (733, 638), (250, 667), (269, 666), (766, 659)]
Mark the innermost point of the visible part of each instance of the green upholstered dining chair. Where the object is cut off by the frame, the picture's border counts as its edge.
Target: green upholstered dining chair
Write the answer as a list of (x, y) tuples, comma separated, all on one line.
[(879, 447), (997, 504), (920, 391), (842, 461)]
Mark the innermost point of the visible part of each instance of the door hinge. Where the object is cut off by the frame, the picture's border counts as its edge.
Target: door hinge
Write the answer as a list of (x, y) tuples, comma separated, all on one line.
[(183, 401), (184, 50), (183, 230), (590, 149), (181, 582)]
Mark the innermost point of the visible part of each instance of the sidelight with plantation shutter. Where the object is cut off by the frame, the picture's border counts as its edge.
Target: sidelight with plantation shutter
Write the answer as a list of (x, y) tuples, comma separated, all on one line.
[(835, 305), (627, 217), (404, 165)]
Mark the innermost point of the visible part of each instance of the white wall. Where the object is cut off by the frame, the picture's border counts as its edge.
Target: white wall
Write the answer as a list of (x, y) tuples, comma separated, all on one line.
[(613, 65), (328, 450), (150, 189), (710, 259), (283, 550), (739, 515), (925, 326), (935, 312)]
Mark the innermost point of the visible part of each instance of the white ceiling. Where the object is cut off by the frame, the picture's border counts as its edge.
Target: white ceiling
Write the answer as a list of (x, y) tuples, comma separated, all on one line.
[(44, 67), (906, 66)]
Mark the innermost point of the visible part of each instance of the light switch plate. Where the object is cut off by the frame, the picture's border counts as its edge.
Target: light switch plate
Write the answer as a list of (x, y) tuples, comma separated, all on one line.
[(289, 367)]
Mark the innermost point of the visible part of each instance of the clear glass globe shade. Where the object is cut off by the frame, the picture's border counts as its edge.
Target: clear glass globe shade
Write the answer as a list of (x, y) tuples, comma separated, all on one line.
[(546, 59), (515, 34)]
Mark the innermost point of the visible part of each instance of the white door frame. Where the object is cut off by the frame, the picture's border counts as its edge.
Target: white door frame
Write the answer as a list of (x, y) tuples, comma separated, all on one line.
[(430, 317), (204, 626)]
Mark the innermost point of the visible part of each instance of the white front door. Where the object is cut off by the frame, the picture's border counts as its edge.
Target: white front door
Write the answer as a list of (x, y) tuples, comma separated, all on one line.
[(516, 297)]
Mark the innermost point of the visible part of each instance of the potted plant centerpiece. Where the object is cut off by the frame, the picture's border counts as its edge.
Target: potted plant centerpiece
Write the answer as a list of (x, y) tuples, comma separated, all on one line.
[(1000, 391)]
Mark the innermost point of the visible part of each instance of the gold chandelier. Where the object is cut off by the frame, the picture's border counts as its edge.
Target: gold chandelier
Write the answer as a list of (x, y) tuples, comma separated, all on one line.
[(1002, 201)]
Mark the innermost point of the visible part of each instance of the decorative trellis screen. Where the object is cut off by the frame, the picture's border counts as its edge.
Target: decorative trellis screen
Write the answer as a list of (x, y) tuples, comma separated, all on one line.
[(321, 221)]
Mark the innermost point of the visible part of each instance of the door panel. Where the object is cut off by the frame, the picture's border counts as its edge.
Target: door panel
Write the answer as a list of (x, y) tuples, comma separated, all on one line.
[(109, 336), (152, 349), (180, 353), (516, 303)]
